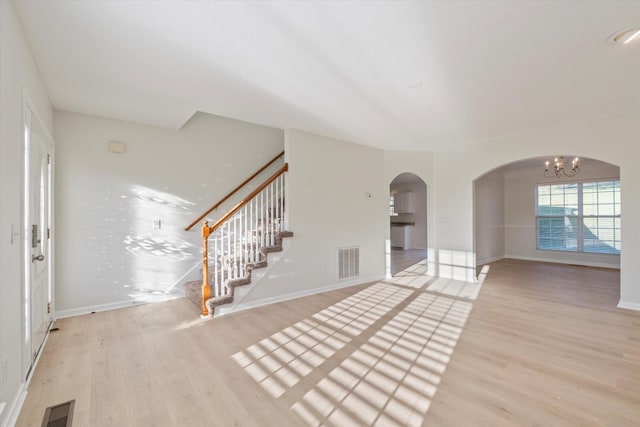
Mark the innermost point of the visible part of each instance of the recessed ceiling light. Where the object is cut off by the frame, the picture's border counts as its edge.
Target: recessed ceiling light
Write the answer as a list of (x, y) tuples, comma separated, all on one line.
[(625, 36)]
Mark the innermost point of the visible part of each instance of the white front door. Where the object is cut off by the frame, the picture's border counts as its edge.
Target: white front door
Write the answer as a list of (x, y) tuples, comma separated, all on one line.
[(37, 243)]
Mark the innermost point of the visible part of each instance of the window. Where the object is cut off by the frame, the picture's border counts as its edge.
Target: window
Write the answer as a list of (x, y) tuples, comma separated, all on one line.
[(601, 217), (392, 205), (579, 217)]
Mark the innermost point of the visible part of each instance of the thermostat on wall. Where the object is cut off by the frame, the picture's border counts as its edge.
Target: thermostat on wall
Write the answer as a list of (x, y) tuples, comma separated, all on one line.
[(116, 147)]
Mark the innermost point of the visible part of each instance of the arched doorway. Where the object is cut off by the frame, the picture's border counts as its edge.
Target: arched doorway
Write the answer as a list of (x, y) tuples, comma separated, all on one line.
[(514, 219), (408, 223)]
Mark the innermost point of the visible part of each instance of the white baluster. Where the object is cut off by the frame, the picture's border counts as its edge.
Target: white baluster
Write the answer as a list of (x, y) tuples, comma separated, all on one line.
[(254, 242), (273, 210), (235, 246), (239, 243), (271, 206), (278, 215), (266, 207), (250, 226), (228, 263), (263, 228), (215, 262), (278, 204), (254, 219), (236, 241), (266, 211), (281, 202), (220, 259), (245, 249)]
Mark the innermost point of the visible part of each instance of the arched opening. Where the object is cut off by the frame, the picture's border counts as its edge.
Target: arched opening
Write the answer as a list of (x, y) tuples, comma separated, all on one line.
[(408, 224), (519, 213)]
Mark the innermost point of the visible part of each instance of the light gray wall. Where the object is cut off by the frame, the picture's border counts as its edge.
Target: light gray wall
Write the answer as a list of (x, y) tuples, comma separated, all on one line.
[(18, 76), (520, 217), (489, 209), (328, 187), (108, 253)]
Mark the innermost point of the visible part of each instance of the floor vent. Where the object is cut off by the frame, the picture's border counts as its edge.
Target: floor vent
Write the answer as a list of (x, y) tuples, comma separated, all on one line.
[(59, 415), (348, 262)]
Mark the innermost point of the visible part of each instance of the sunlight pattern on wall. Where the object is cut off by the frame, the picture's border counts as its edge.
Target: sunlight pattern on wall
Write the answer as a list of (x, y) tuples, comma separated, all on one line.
[(145, 245), (457, 265), (159, 256)]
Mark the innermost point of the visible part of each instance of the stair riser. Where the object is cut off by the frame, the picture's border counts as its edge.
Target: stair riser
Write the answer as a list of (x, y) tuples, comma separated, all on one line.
[(193, 290)]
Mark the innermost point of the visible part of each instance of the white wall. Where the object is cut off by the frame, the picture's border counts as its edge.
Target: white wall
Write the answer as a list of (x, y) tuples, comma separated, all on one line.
[(615, 140), (419, 216), (108, 253), (328, 207), (489, 207), (18, 72), (419, 163), (521, 221)]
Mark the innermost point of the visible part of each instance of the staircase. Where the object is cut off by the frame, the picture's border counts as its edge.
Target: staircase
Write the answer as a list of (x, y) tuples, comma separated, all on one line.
[(193, 289), (239, 243)]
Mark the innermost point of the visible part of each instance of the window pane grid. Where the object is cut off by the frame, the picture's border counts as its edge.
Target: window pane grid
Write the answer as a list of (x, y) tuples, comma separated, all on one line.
[(563, 223)]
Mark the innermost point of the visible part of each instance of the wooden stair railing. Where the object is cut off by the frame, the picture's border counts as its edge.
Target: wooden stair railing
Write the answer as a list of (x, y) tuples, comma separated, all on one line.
[(240, 240), (234, 191)]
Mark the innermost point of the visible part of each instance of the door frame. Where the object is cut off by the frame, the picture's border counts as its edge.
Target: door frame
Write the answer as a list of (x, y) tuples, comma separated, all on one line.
[(29, 116)]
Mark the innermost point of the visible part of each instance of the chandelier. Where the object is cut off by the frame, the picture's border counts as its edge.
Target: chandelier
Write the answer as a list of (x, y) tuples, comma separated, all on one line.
[(559, 168)]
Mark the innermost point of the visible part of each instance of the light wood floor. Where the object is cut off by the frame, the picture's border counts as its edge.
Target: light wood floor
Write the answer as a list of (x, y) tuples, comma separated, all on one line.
[(536, 344), (401, 259)]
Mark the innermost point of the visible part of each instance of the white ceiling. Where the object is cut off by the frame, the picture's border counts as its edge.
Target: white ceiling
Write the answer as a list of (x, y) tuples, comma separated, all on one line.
[(341, 69)]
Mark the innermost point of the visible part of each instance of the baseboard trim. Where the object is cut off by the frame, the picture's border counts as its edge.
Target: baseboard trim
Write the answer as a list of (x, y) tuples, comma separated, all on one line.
[(15, 407), (488, 260), (301, 294), (557, 261), (96, 308), (629, 305)]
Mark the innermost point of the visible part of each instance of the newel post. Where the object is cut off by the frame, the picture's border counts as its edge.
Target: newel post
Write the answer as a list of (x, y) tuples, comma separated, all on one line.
[(206, 287)]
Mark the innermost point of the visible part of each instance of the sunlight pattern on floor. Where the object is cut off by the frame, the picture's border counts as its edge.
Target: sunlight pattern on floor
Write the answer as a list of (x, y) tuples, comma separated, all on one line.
[(391, 379), (413, 276), (455, 288), (280, 361), (388, 347)]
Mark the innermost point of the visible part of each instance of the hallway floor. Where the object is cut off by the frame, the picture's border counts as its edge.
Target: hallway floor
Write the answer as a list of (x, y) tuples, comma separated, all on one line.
[(402, 259)]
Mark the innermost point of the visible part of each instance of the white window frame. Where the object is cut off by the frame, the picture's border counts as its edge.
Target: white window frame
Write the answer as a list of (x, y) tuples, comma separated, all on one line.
[(580, 218)]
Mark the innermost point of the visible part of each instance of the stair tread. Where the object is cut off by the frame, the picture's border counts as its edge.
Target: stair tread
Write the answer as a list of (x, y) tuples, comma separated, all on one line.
[(194, 288), (222, 299)]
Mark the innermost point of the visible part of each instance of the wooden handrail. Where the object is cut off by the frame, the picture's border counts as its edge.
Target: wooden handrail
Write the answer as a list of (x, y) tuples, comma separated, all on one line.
[(234, 191), (247, 199), (207, 230)]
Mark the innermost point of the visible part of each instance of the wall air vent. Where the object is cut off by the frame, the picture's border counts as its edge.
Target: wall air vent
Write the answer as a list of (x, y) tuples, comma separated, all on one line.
[(348, 262)]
